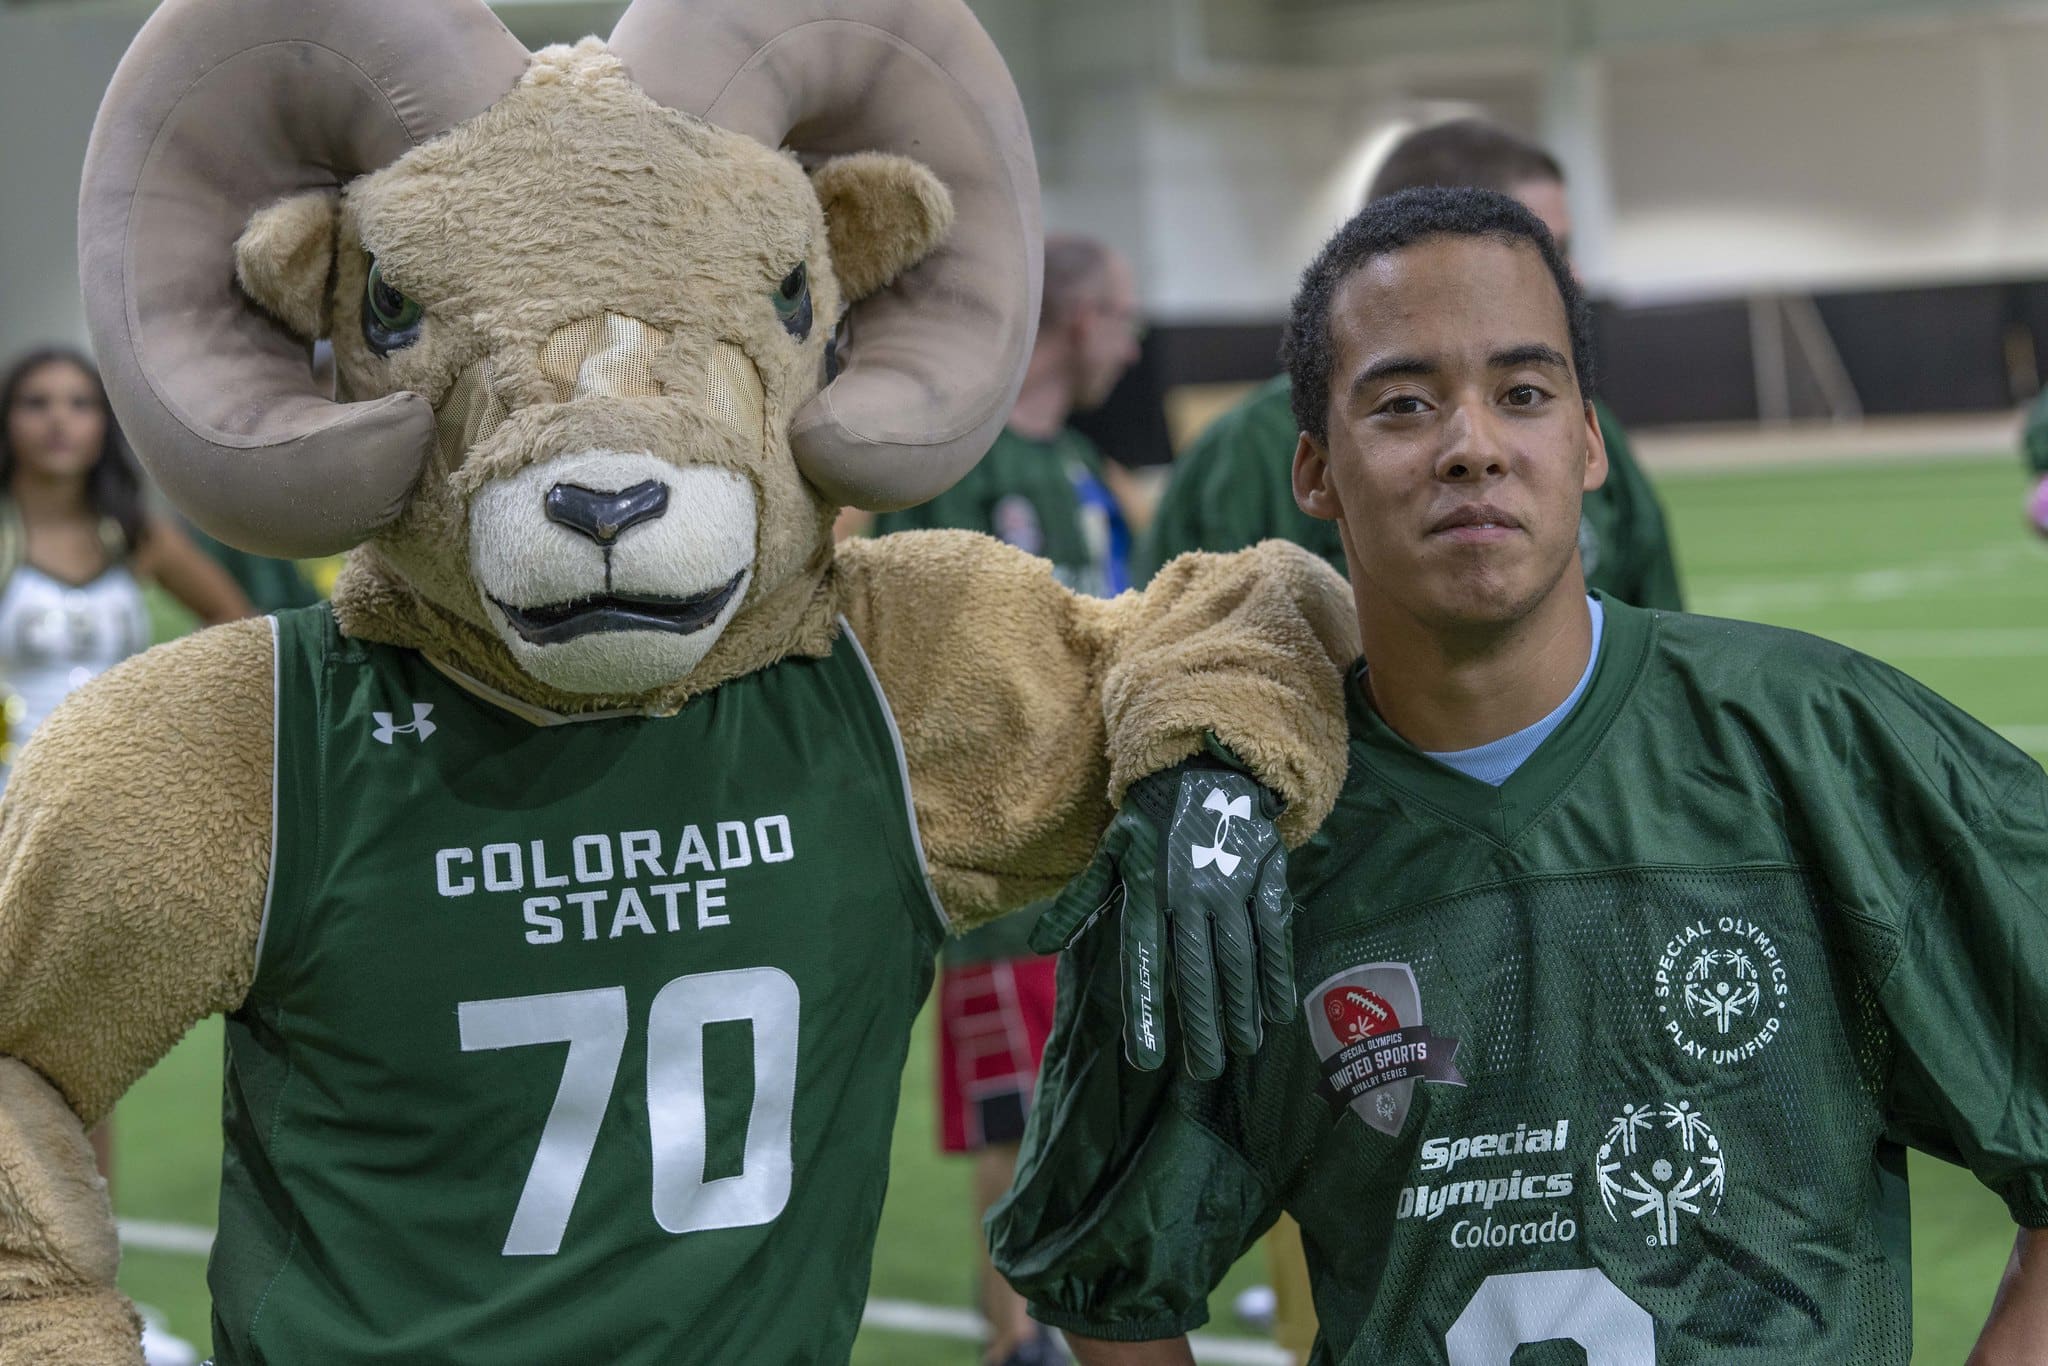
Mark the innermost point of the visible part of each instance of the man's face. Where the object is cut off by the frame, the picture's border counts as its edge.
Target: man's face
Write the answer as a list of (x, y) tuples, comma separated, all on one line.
[(1105, 333), (1459, 445)]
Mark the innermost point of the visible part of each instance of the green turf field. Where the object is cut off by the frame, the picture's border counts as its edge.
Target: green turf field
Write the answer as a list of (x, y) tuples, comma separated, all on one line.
[(1925, 565)]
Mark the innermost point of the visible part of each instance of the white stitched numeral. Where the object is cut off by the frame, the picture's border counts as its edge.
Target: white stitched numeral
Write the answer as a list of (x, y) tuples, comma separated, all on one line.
[(683, 1200), (1582, 1306), (594, 1023)]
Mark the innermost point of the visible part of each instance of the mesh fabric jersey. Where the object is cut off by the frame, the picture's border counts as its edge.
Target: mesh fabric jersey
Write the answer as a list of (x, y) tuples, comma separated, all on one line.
[(1615, 1063)]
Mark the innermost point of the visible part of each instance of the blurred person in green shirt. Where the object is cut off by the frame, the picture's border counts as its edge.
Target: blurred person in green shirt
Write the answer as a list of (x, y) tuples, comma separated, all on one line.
[(1040, 488), (1232, 487), (2034, 445)]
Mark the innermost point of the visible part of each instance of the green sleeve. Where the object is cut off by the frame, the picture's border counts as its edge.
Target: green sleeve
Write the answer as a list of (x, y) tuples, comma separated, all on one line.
[(1177, 524), (1203, 509), (1955, 820), (2034, 441), (270, 585), (1641, 567), (963, 507), (1126, 1212), (1234, 487)]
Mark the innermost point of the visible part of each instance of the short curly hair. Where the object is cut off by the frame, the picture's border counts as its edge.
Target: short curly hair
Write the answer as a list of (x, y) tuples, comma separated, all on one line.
[(1385, 226)]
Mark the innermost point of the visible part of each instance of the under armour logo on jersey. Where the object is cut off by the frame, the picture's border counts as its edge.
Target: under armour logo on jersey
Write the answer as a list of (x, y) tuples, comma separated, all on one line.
[(1227, 809), (419, 724)]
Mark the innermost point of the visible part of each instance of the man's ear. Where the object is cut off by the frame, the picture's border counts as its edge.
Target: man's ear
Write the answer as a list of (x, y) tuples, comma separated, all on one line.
[(883, 214), (1312, 490), (285, 258), (1596, 449)]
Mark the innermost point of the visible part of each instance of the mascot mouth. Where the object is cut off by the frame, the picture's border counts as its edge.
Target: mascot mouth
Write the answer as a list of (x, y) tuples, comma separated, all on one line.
[(554, 623)]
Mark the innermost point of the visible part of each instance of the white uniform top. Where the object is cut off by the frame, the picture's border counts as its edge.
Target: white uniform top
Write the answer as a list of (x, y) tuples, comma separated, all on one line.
[(54, 636)]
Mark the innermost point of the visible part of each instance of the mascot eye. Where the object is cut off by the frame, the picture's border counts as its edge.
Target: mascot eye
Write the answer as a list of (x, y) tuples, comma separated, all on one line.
[(793, 302), (391, 322)]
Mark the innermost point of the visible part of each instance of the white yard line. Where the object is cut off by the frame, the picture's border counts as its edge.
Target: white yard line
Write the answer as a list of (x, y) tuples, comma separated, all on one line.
[(1733, 597), (151, 1236), (900, 1316)]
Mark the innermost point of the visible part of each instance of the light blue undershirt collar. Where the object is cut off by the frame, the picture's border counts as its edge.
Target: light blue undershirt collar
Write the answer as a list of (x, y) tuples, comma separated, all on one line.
[(1495, 761)]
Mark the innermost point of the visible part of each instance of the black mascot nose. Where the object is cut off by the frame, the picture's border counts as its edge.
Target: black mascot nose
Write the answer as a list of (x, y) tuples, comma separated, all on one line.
[(602, 516)]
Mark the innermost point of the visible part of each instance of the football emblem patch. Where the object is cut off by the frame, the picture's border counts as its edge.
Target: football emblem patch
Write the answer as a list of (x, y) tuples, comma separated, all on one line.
[(1366, 1024), (1357, 1013)]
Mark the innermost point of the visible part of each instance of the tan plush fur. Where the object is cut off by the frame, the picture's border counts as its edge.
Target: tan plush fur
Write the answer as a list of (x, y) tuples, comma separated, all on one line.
[(135, 832), (134, 848), (1026, 709), (284, 258), (570, 185), (53, 1208), (883, 213)]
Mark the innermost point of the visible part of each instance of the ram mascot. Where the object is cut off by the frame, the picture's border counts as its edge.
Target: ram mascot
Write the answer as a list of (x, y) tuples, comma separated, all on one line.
[(570, 883)]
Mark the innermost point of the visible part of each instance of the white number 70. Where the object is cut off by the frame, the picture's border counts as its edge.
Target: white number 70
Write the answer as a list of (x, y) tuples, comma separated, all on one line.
[(593, 1023)]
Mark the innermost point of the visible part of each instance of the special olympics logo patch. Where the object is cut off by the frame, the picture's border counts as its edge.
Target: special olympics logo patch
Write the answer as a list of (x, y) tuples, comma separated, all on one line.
[(1722, 989), (1661, 1161)]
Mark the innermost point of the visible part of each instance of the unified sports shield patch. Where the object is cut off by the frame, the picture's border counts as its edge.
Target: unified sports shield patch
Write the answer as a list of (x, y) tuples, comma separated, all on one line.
[(1366, 1024)]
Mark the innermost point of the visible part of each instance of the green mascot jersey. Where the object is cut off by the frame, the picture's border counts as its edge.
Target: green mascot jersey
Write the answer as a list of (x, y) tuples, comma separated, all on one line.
[(568, 1042), (1618, 1058), (1234, 487)]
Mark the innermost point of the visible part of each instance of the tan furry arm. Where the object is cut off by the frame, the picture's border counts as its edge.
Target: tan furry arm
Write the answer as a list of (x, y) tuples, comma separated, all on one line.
[(134, 853), (58, 1252), (1025, 708), (1252, 646)]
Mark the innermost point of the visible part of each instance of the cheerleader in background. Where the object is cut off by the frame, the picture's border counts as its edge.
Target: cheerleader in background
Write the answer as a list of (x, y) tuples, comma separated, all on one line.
[(76, 543)]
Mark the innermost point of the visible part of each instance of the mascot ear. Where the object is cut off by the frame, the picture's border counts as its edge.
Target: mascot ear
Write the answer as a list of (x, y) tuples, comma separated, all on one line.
[(883, 213), (285, 258)]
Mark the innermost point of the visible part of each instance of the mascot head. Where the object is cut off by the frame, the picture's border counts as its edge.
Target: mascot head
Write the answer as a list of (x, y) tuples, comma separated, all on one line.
[(617, 327)]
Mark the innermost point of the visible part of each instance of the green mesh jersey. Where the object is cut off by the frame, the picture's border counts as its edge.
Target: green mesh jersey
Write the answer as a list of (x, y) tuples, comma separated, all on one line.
[(568, 1043), (1234, 487), (1621, 1054)]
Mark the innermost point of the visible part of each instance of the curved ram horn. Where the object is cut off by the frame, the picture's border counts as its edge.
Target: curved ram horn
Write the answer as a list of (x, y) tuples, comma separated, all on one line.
[(937, 360), (220, 108)]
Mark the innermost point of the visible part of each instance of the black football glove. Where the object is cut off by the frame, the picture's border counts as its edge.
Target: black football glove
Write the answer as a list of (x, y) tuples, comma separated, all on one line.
[(1200, 875)]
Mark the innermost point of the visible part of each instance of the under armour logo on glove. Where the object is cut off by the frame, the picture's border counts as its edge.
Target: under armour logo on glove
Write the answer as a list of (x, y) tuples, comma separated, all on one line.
[(1228, 809), (419, 725), (1198, 875)]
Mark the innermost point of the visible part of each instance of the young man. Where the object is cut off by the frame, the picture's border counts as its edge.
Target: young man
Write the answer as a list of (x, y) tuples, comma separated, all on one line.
[(1638, 947), (1233, 487), (1040, 488)]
